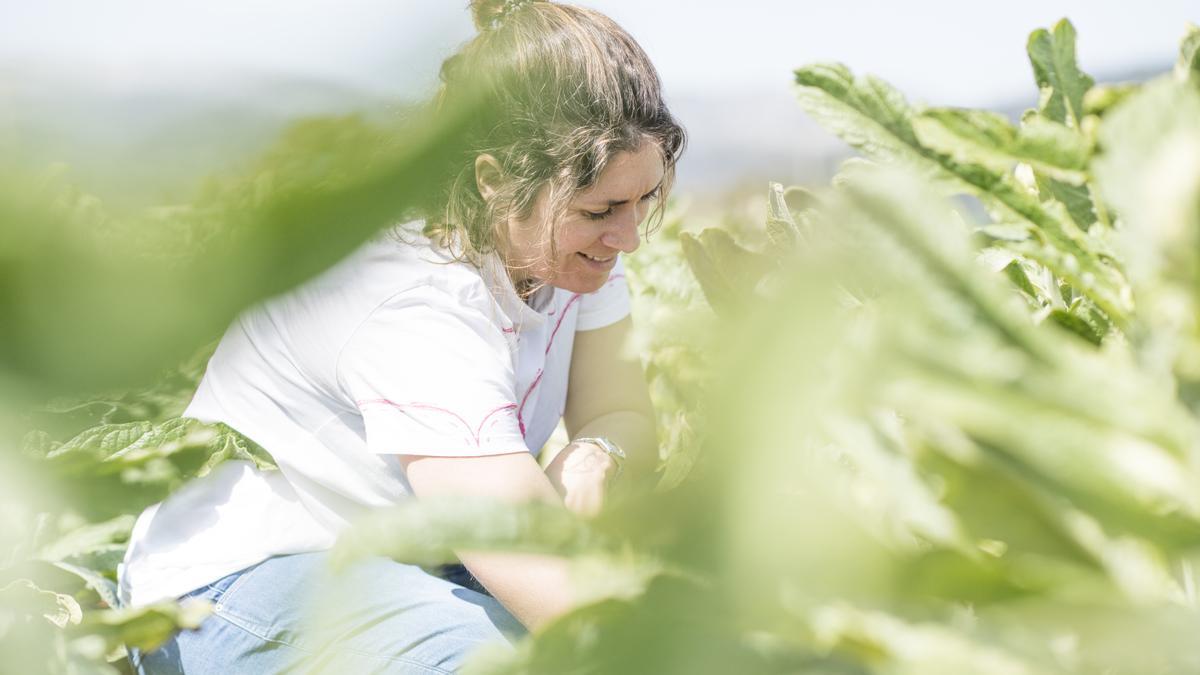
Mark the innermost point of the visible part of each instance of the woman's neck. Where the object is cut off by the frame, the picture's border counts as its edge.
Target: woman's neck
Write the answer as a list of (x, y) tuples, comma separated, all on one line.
[(526, 288)]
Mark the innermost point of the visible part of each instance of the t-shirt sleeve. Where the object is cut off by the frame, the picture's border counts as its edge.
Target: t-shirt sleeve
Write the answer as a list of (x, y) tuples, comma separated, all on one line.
[(432, 376), (607, 305)]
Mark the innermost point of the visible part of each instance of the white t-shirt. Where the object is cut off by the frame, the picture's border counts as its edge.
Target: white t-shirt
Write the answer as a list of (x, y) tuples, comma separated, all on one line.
[(399, 349)]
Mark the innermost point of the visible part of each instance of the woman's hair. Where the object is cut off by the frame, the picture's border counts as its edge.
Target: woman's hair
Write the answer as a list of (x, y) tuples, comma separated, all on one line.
[(562, 89)]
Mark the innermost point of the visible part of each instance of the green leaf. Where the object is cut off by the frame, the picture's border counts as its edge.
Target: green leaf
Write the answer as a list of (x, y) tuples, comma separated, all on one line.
[(836, 99), (1187, 67), (133, 443), (103, 586), (1020, 279), (1006, 231), (1063, 85), (37, 443), (22, 598), (781, 227), (228, 445), (66, 417), (1150, 171), (678, 629), (799, 199), (115, 469), (1076, 198), (144, 627), (149, 288), (885, 198), (990, 140), (728, 273), (1127, 470), (430, 531), (886, 643), (87, 538), (624, 576), (1068, 252), (865, 112), (685, 450), (1102, 98), (106, 440), (1080, 324)]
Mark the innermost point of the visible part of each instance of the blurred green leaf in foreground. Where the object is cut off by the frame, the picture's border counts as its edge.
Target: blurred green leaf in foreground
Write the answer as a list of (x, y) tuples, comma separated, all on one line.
[(95, 300), (913, 443), (933, 444), (109, 319)]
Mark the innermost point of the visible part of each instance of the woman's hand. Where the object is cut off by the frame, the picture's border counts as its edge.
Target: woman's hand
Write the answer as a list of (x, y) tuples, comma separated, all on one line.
[(580, 474)]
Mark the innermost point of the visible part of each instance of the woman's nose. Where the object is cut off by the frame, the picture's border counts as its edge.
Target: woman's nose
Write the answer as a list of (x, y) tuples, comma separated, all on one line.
[(622, 235)]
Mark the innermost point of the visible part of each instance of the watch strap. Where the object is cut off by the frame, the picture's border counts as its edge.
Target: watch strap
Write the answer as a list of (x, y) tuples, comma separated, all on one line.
[(610, 448)]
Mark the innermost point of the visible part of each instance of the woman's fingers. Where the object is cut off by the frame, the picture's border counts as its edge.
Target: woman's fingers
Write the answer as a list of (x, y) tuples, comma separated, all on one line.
[(585, 502)]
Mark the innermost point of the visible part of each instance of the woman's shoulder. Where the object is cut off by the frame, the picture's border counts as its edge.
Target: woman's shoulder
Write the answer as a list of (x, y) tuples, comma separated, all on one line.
[(398, 270), (406, 243), (401, 258)]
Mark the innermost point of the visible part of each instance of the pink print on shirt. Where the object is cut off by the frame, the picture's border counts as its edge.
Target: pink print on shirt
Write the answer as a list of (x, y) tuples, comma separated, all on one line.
[(538, 378), (558, 325), (520, 418), (475, 435)]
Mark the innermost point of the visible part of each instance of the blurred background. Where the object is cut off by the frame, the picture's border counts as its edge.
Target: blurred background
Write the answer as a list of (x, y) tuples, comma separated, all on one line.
[(961, 463), (152, 96)]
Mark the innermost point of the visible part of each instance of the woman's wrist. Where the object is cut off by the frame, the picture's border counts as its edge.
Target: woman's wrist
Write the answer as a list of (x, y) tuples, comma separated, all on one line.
[(611, 449), (581, 473)]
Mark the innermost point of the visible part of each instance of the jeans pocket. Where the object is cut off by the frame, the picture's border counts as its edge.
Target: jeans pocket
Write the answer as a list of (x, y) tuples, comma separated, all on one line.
[(219, 589), (223, 589), (262, 598)]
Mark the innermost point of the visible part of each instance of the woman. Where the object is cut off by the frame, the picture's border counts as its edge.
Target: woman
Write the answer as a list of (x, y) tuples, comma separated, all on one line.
[(436, 360)]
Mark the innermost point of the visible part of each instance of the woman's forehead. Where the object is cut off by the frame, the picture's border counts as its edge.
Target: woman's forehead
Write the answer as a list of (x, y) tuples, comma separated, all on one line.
[(629, 175)]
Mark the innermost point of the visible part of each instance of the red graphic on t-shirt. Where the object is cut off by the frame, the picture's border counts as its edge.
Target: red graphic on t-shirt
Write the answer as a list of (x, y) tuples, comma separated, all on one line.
[(475, 435), (538, 378)]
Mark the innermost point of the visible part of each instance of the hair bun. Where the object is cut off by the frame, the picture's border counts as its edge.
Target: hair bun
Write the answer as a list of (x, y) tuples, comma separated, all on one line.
[(491, 14)]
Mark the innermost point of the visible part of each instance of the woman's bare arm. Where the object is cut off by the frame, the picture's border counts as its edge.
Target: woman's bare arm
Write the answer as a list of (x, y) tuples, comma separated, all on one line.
[(534, 588), (606, 396)]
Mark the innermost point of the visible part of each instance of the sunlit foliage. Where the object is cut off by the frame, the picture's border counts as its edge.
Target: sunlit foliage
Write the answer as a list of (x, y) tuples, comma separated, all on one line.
[(938, 417)]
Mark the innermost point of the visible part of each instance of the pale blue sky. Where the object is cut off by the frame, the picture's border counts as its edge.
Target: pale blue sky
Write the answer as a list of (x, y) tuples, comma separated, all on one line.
[(945, 52), (726, 67)]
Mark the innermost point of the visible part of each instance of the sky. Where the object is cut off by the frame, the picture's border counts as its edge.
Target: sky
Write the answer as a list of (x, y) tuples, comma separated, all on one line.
[(958, 53), (726, 67)]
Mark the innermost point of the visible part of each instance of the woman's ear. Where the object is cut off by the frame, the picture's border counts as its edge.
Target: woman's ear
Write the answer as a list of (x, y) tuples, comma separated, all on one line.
[(488, 176)]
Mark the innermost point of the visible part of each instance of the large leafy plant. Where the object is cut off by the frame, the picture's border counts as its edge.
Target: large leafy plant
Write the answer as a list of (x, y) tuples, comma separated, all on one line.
[(943, 442), (917, 440), (127, 302)]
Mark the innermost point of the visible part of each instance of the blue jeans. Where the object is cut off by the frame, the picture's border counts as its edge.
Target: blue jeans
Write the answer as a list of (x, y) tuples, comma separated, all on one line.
[(292, 614)]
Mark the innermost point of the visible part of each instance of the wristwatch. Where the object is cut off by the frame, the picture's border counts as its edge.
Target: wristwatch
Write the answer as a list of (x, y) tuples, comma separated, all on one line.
[(610, 448)]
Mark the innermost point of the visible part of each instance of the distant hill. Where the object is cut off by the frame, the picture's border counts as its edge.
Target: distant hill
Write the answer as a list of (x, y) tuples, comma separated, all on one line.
[(158, 138)]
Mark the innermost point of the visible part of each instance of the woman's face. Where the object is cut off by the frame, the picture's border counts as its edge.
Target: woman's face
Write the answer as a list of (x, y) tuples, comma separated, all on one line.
[(601, 222)]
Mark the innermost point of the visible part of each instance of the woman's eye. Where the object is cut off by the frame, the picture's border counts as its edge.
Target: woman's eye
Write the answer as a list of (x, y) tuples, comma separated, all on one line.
[(604, 214)]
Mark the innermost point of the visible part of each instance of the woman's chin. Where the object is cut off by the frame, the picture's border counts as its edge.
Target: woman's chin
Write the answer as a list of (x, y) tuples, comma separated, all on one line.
[(583, 278)]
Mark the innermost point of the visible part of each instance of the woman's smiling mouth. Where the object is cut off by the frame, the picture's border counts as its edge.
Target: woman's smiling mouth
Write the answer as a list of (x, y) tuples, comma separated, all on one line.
[(598, 263)]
